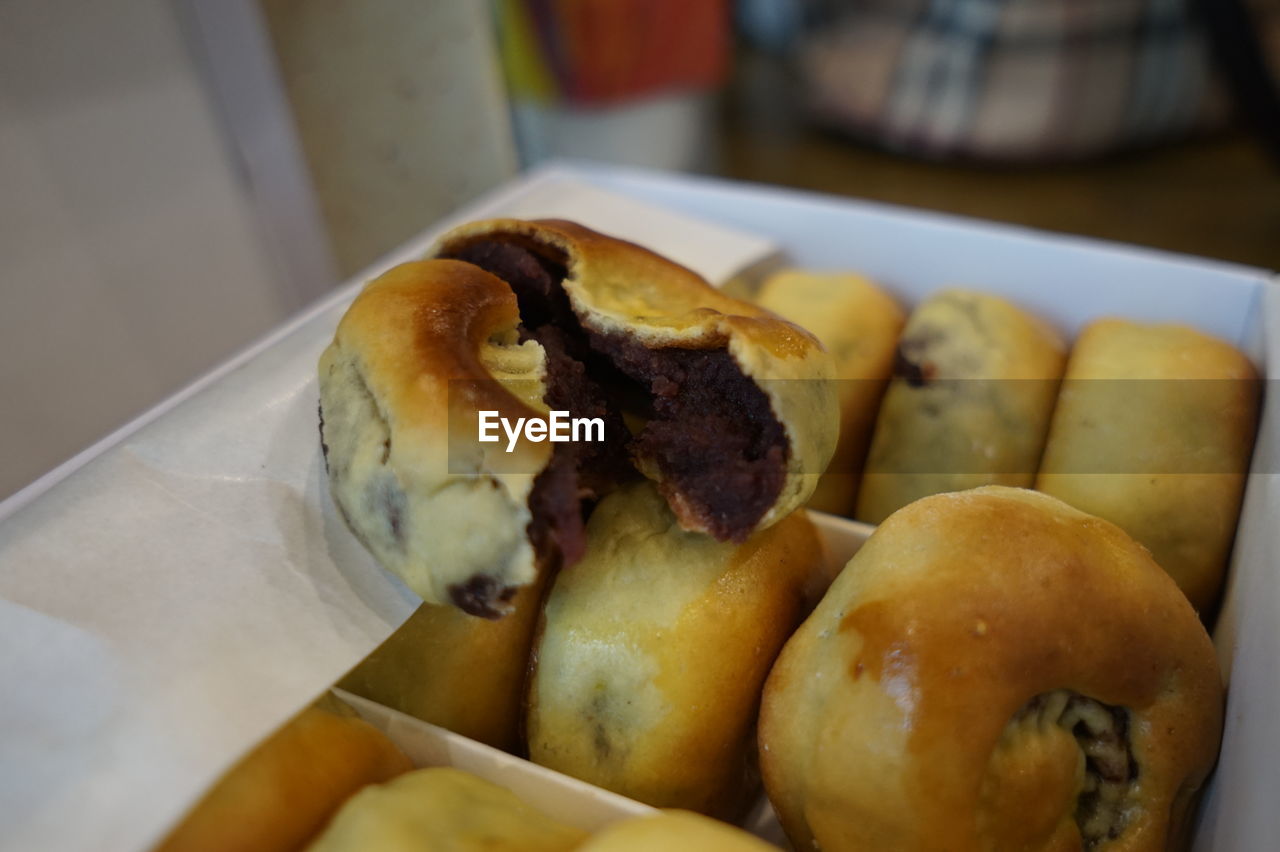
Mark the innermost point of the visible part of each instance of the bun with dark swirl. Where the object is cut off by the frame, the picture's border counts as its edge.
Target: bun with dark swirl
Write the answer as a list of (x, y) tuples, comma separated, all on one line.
[(993, 670)]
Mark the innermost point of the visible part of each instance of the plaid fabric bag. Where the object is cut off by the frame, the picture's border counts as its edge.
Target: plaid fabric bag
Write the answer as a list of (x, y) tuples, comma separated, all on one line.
[(1011, 80)]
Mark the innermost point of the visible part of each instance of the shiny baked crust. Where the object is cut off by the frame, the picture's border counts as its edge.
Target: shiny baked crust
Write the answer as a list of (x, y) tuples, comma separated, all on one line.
[(969, 404), (618, 288), (283, 792), (654, 648), (859, 324), (927, 702), (1153, 431), (420, 351), (441, 808)]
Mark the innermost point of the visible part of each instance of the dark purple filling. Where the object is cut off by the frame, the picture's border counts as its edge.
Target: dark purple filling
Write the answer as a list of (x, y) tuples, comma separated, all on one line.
[(1111, 768), (711, 432), (535, 281)]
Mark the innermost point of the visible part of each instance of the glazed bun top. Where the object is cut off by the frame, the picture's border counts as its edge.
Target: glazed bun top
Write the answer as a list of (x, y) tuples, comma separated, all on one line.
[(665, 327), (615, 285), (1000, 671)]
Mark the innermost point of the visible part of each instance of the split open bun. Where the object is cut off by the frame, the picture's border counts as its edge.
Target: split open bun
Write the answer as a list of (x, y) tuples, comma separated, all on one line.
[(993, 670), (733, 409), (740, 410)]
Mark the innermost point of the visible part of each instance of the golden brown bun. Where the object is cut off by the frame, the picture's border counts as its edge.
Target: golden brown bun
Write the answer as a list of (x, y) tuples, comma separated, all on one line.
[(424, 343), (1171, 413), (970, 404), (618, 288), (654, 648), (284, 791), (940, 695), (859, 324), (455, 670), (443, 810), (673, 831)]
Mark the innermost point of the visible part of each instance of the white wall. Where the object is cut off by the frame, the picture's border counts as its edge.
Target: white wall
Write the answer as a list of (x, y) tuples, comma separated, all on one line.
[(157, 211), (131, 256)]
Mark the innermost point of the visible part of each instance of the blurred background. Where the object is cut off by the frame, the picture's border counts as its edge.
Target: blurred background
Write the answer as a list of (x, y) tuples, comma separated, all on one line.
[(177, 177)]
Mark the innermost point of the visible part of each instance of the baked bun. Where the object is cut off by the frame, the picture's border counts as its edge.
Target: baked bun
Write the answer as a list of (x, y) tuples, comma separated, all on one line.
[(284, 791), (1153, 431), (741, 415), (421, 350), (859, 324), (443, 810), (969, 404), (677, 831), (455, 670), (993, 670), (654, 648)]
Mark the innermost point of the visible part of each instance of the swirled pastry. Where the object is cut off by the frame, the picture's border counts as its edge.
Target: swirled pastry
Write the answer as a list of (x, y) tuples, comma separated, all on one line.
[(654, 648), (993, 670), (974, 386), (859, 325), (1153, 431)]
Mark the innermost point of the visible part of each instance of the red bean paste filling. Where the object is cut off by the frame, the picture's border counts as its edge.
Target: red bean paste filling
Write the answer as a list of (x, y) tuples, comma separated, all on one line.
[(1102, 731), (711, 431)]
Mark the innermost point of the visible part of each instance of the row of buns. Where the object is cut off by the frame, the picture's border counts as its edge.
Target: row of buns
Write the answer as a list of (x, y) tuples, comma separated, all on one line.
[(1150, 426), (984, 651), (732, 412)]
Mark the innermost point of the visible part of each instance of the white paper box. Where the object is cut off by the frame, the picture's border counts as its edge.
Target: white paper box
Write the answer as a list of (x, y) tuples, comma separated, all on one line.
[(175, 593)]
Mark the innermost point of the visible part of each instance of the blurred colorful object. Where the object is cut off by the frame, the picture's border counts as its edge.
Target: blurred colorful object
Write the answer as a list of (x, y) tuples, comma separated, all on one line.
[(604, 52), (1011, 79)]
